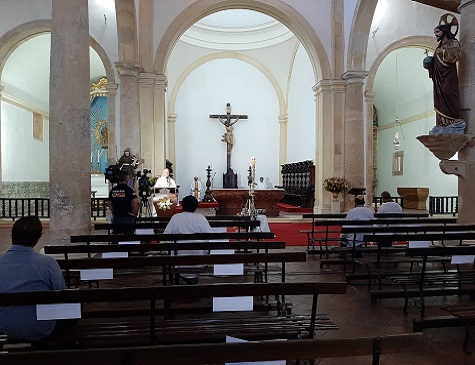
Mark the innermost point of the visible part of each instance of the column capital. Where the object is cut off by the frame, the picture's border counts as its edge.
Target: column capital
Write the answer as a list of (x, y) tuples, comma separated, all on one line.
[(128, 69), (355, 77), (111, 88), (369, 96), (283, 118), (161, 81), (327, 86), (147, 79), (171, 118)]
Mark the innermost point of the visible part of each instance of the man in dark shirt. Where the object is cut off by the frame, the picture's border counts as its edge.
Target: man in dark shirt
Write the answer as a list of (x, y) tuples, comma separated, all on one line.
[(123, 203)]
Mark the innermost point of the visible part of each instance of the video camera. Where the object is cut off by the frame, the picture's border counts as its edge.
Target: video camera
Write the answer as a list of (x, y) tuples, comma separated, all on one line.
[(112, 174), (144, 183)]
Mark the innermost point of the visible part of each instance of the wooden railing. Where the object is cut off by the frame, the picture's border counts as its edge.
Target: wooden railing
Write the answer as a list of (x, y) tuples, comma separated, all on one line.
[(20, 207), (443, 205), (377, 201)]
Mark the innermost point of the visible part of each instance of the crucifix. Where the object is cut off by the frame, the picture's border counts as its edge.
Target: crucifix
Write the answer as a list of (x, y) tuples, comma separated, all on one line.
[(228, 120)]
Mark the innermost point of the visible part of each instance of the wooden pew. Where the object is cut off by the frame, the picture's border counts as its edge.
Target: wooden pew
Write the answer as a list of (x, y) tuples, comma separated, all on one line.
[(139, 328), (157, 226), (102, 238), (165, 264), (214, 353), (334, 227), (432, 282)]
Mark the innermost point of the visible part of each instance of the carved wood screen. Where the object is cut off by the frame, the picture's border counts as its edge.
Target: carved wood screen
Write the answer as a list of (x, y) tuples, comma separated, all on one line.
[(298, 181)]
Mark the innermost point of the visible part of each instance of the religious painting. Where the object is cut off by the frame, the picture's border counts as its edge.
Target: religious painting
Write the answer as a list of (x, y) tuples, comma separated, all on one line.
[(37, 127), (398, 163), (99, 127)]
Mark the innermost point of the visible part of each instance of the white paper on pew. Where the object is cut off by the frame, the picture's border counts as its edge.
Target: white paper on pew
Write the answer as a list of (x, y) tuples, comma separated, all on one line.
[(462, 259), (129, 242), (109, 255), (417, 244), (230, 339), (229, 304), (58, 311), (144, 231), (227, 269), (97, 274)]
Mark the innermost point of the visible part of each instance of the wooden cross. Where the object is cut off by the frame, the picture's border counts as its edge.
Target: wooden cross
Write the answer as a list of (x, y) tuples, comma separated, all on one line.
[(228, 120)]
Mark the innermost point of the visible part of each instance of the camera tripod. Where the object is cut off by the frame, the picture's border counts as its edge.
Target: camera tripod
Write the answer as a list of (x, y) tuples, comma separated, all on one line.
[(144, 209)]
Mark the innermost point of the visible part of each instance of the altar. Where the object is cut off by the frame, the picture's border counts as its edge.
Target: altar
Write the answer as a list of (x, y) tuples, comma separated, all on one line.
[(231, 201)]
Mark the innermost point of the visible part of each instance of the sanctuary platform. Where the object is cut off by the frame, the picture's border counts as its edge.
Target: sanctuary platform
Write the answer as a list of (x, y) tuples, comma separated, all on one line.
[(231, 201)]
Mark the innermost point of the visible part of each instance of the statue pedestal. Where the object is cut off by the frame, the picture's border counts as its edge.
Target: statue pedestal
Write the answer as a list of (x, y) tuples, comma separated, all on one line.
[(336, 207), (414, 198), (230, 179)]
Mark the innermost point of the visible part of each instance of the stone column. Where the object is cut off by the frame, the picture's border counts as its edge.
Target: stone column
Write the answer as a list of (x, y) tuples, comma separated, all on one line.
[(330, 97), (113, 152), (283, 124), (129, 107), (172, 138), (146, 84), (354, 148), (371, 155), (159, 121), (467, 90), (1, 171), (69, 120)]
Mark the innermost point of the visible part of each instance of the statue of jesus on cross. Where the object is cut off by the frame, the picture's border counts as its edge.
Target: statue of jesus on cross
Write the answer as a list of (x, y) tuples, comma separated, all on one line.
[(228, 120)]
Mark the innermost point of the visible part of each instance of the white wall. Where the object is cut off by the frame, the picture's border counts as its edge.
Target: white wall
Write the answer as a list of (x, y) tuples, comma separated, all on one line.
[(198, 138), (302, 113), (23, 158)]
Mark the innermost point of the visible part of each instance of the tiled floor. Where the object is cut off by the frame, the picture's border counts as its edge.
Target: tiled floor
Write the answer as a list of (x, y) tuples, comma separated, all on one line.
[(356, 316)]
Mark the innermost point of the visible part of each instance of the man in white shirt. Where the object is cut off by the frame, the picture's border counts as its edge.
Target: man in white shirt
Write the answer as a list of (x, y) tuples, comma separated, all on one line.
[(389, 206), (165, 181), (189, 222), (359, 213), (196, 188)]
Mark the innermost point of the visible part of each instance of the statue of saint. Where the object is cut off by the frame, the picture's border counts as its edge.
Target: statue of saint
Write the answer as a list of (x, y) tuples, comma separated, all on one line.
[(443, 71)]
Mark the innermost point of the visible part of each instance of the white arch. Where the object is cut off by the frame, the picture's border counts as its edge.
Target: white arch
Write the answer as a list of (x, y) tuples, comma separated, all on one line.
[(276, 9), (214, 56)]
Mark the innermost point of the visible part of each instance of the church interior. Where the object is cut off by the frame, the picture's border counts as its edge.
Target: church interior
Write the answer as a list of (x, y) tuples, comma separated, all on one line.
[(339, 84)]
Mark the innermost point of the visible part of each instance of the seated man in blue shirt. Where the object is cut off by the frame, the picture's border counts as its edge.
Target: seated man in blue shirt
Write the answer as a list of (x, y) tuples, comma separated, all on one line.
[(22, 269)]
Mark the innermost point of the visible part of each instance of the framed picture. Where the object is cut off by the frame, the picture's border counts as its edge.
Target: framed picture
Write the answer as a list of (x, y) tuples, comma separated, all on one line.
[(398, 163)]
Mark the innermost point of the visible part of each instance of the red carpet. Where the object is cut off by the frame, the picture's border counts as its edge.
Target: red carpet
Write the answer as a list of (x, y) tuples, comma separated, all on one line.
[(289, 232)]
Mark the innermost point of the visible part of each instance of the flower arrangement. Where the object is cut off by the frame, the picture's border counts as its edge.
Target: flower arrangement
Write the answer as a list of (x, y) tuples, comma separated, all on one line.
[(165, 204), (335, 184)]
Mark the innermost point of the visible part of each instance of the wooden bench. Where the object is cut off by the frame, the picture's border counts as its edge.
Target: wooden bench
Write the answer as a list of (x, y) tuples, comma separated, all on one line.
[(460, 281), (386, 236), (114, 239), (170, 248), (219, 353), (247, 225), (331, 229), (166, 265), (104, 329)]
